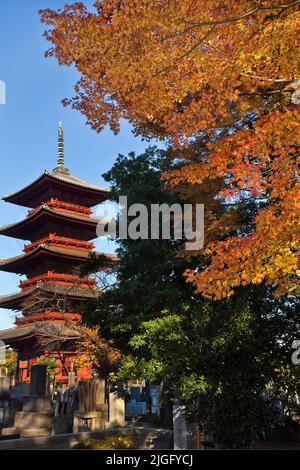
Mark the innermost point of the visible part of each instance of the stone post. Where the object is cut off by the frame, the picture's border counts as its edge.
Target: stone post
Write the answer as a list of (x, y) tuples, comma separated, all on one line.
[(100, 393), (71, 380)]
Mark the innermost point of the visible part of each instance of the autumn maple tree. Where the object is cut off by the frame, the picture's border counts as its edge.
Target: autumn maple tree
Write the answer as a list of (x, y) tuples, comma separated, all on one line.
[(93, 351), (190, 71)]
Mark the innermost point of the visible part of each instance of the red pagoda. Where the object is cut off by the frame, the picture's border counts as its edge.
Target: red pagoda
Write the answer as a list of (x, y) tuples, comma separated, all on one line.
[(59, 227)]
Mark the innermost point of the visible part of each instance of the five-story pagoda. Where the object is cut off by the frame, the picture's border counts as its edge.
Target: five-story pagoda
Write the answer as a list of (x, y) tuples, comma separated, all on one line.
[(59, 227)]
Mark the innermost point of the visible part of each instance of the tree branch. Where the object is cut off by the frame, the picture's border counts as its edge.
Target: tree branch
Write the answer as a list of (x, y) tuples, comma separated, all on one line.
[(229, 20), (242, 17)]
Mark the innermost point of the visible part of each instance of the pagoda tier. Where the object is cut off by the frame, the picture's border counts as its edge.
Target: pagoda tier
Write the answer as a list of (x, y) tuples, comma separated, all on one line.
[(44, 258), (61, 185), (45, 220), (28, 341), (25, 338), (75, 296)]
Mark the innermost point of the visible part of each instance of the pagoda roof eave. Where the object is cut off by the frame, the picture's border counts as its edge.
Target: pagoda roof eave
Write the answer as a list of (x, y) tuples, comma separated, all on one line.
[(13, 301), (13, 336), (16, 260), (16, 334), (5, 229), (15, 264), (19, 197)]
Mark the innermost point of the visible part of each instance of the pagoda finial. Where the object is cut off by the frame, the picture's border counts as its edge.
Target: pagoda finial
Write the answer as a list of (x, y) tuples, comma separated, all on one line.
[(61, 157)]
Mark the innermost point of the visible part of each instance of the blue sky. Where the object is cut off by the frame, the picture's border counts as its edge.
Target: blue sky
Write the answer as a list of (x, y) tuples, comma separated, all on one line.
[(29, 121)]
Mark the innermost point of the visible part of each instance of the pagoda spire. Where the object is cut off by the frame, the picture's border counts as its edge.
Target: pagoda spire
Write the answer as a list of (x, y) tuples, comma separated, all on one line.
[(61, 156)]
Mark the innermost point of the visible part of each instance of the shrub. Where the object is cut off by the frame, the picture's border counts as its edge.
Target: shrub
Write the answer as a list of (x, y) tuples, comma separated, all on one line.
[(108, 443)]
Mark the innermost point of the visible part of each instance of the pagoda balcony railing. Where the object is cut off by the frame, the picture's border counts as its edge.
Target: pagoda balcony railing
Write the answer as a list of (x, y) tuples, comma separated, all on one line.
[(63, 279), (53, 239), (66, 206), (49, 316)]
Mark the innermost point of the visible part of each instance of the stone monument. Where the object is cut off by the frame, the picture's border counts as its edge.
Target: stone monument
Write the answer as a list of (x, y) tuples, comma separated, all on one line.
[(186, 435), (36, 417), (92, 411)]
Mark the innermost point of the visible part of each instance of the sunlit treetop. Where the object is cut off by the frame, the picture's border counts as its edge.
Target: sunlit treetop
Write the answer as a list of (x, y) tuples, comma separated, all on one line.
[(182, 69), (177, 64)]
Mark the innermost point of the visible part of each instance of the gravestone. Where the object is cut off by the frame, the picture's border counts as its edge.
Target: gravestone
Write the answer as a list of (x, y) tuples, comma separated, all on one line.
[(116, 408), (186, 435), (4, 412), (38, 380), (4, 384), (36, 417), (155, 393), (135, 393)]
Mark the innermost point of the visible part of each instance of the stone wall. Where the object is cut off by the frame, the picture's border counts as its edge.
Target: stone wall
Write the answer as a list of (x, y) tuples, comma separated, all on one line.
[(146, 438)]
